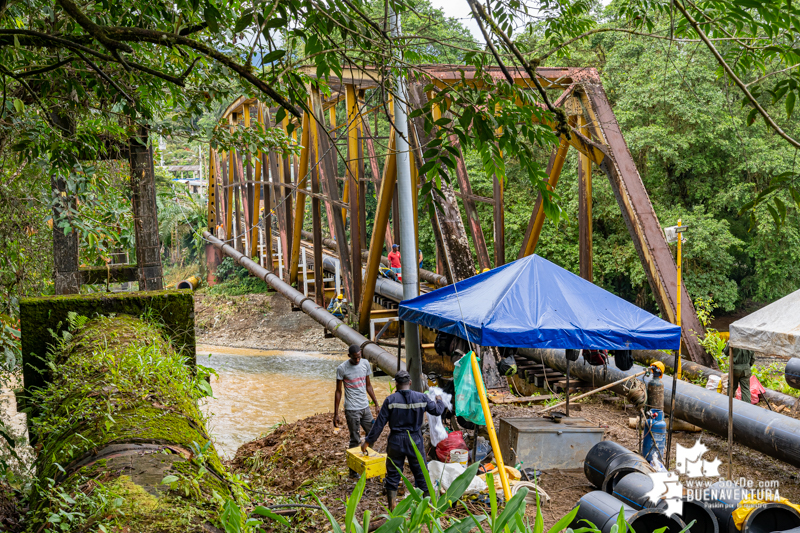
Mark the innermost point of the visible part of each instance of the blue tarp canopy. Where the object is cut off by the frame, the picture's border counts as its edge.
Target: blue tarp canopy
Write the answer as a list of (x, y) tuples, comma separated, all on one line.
[(533, 303)]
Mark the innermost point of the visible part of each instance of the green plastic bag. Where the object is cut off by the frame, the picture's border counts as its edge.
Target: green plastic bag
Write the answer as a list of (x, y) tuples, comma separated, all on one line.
[(468, 403)]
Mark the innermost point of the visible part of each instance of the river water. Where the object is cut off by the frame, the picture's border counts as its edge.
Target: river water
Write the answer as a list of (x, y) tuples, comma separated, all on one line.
[(257, 389)]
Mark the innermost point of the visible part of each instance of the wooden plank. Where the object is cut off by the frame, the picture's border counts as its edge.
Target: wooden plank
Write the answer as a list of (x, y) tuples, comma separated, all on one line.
[(506, 400)]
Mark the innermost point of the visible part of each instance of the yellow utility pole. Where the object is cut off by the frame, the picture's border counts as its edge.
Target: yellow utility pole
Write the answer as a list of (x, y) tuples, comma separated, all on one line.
[(678, 310), (487, 414)]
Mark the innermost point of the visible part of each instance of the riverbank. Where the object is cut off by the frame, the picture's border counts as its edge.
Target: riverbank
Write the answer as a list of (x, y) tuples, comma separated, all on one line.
[(260, 321)]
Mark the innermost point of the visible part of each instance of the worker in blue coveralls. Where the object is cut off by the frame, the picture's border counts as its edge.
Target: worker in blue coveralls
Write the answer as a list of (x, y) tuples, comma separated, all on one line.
[(404, 411)]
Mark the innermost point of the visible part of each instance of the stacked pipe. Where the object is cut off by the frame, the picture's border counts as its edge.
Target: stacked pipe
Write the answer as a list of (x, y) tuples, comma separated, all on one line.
[(726, 496), (602, 510), (623, 478)]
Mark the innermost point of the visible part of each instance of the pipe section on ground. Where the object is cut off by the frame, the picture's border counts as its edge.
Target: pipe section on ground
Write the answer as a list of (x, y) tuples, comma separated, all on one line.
[(724, 498), (374, 353), (608, 462), (602, 510), (633, 488), (425, 275), (694, 370), (765, 431), (190, 283)]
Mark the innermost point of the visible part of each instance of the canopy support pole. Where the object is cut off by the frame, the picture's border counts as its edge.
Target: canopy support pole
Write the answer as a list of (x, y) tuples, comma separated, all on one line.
[(487, 414)]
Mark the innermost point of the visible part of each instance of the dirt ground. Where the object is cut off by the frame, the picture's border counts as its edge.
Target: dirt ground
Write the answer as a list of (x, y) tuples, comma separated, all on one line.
[(309, 453), (261, 321), (295, 455)]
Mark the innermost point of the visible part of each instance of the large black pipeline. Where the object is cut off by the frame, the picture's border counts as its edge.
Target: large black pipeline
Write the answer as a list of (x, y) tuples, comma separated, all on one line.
[(724, 498), (374, 353), (792, 373), (425, 275), (633, 488), (766, 431), (694, 370), (608, 462), (602, 510)]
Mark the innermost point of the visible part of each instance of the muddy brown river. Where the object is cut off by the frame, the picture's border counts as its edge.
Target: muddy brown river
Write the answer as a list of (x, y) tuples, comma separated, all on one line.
[(257, 389)]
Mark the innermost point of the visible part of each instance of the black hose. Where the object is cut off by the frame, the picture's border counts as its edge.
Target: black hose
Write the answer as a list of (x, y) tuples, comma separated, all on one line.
[(289, 505)]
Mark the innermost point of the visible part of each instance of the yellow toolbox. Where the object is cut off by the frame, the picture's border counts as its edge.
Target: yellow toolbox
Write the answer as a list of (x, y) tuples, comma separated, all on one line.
[(374, 463)]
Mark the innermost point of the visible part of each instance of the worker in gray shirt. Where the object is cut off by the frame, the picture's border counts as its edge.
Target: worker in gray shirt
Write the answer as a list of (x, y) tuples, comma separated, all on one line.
[(353, 376), (742, 361)]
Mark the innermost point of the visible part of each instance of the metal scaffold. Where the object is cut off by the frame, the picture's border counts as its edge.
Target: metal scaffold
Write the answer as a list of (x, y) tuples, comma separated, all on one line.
[(259, 203)]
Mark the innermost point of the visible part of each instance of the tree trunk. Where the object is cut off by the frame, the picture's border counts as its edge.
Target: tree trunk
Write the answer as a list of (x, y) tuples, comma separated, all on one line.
[(145, 213), (66, 277)]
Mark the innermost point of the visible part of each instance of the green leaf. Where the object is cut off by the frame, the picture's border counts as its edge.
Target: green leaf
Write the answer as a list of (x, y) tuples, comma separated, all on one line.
[(775, 217), (622, 525), (352, 502), (513, 506), (565, 521), (751, 116), (19, 107), (212, 17), (231, 517), (169, 480), (243, 22), (280, 115), (425, 473), (465, 525), (273, 56), (795, 196), (334, 524), (790, 98), (427, 167), (458, 486), (391, 525), (275, 23), (781, 209), (263, 511)]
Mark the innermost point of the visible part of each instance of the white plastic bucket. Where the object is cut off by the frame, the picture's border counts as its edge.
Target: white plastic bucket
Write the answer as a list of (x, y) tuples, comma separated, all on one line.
[(459, 456)]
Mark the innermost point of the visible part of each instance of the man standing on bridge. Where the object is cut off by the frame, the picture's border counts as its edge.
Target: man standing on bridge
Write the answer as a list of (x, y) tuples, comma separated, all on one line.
[(394, 258), (404, 411), (354, 375)]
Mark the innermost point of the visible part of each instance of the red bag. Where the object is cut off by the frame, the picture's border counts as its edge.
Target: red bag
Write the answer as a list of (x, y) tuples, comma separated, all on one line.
[(454, 441), (756, 390), (595, 357)]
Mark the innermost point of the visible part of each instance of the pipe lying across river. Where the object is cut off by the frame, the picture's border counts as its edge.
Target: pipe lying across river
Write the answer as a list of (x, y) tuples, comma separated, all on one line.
[(374, 353), (765, 431)]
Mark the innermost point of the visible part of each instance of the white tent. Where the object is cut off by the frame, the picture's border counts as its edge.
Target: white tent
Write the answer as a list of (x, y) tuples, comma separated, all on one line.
[(774, 329)]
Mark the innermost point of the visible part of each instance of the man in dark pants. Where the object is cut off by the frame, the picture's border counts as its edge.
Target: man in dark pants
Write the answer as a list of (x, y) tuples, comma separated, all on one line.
[(743, 361), (353, 377), (404, 411)]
